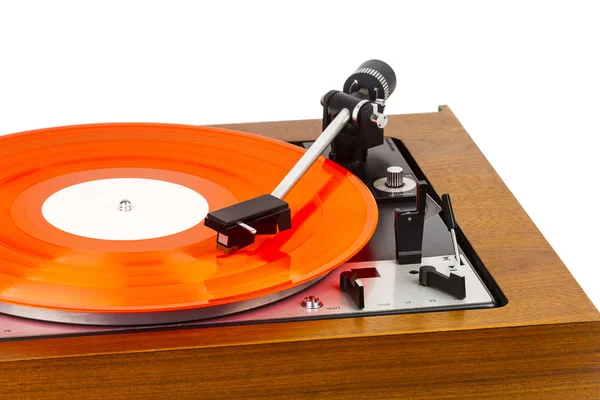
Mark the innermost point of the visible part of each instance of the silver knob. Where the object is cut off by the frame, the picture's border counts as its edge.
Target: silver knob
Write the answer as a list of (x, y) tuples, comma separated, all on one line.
[(312, 302), (395, 177), (379, 119)]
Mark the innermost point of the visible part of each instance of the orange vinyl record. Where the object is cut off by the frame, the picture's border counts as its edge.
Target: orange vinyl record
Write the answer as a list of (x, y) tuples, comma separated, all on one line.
[(103, 224)]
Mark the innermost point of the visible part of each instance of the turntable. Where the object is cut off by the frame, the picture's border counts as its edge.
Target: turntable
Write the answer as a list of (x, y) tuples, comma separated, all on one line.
[(280, 260)]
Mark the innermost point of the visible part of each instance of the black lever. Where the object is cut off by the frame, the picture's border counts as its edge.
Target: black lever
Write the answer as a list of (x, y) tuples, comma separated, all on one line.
[(408, 229), (454, 284), (350, 283), (451, 223)]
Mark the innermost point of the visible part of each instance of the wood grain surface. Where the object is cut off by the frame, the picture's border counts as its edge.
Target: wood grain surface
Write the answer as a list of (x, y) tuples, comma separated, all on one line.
[(508, 363), (544, 344)]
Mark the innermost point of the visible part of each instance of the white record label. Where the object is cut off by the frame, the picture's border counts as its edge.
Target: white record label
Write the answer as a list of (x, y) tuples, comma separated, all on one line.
[(125, 209)]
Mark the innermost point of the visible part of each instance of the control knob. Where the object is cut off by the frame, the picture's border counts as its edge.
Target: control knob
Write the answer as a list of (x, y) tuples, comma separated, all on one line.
[(395, 177)]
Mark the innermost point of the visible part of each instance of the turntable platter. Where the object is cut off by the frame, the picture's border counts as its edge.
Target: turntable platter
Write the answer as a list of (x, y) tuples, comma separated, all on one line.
[(102, 224)]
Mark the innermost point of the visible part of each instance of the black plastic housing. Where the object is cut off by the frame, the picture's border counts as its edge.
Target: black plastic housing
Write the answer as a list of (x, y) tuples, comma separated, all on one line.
[(266, 214)]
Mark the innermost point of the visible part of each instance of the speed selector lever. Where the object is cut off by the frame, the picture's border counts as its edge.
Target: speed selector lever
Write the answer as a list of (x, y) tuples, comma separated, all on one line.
[(454, 284)]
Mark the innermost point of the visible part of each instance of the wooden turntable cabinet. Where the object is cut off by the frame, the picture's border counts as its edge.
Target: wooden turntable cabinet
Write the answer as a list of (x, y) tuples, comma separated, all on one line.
[(543, 344)]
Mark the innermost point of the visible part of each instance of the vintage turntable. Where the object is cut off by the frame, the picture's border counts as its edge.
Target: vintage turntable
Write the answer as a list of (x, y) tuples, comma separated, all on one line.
[(150, 260)]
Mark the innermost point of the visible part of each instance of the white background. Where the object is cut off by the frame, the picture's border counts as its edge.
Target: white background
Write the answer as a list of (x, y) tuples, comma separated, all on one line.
[(522, 77)]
